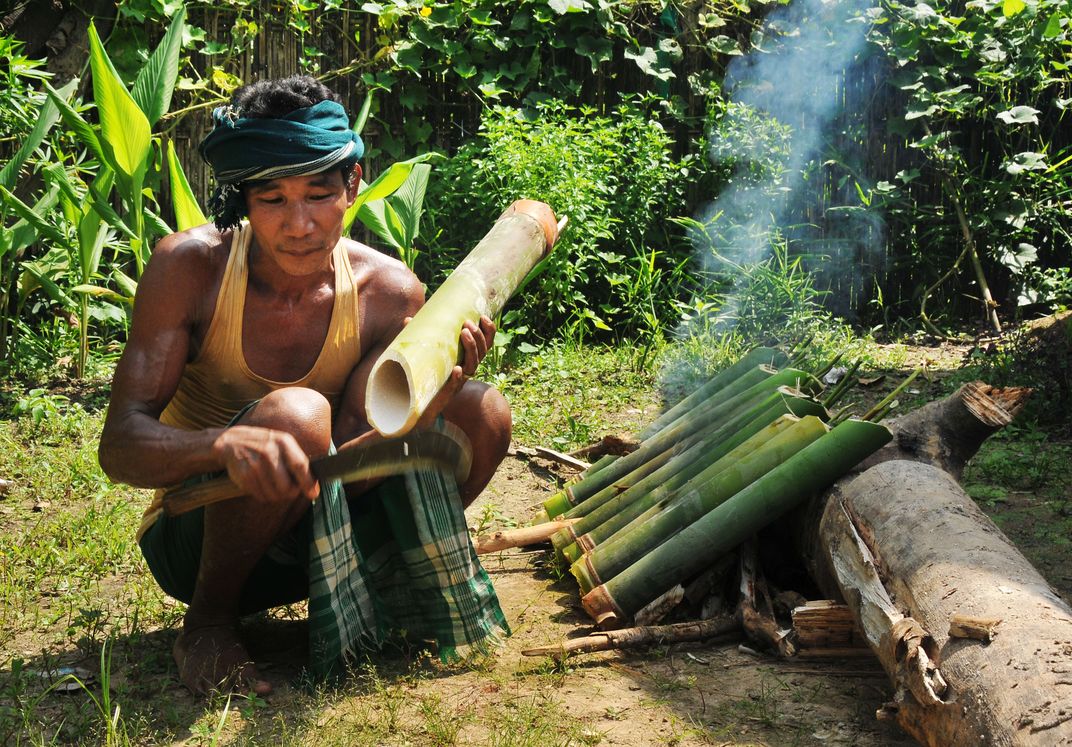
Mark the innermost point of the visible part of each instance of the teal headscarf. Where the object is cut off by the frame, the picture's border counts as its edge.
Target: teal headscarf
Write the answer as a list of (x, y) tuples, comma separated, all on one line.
[(305, 141)]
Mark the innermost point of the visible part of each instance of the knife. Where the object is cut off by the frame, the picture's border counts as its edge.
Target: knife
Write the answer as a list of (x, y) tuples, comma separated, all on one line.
[(392, 456)]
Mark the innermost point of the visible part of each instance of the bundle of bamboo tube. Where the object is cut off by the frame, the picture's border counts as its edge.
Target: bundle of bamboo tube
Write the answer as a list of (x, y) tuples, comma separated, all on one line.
[(737, 453)]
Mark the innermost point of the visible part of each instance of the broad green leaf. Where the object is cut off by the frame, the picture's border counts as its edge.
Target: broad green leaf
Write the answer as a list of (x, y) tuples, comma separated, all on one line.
[(92, 233), (22, 234), (648, 60), (46, 118), (160, 228), (409, 202), (187, 212), (126, 284), (568, 6), (41, 223), (126, 131), (598, 49), (1019, 115), (156, 80), (35, 276), (723, 44), (371, 214), (1053, 25), (1010, 8), (385, 184), (98, 190), (1026, 161), (83, 129), (1017, 260), (105, 293)]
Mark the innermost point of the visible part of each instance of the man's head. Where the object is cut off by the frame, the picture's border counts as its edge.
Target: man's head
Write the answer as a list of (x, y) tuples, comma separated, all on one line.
[(272, 129)]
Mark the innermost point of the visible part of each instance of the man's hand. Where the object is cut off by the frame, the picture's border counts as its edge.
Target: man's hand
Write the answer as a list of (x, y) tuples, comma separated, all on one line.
[(475, 342), (266, 463)]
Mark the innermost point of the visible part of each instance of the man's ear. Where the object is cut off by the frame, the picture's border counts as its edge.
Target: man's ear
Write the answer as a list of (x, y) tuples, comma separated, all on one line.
[(353, 184)]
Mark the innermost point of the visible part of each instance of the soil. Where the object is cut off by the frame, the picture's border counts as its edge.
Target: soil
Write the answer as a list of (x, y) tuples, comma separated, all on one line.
[(686, 693)]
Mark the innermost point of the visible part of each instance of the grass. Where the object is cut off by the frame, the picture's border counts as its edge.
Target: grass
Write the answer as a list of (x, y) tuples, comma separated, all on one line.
[(75, 592)]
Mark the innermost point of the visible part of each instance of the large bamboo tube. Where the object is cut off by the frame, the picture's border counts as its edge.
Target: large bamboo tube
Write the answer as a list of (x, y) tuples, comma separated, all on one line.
[(700, 495), (590, 529), (720, 530), (717, 408), (756, 357), (417, 364), (599, 526)]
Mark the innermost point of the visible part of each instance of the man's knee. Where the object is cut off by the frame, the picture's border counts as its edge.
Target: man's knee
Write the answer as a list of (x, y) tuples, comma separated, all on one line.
[(304, 413), (484, 414)]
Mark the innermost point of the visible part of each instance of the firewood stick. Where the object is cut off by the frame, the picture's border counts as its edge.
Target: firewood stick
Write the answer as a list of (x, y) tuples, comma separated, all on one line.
[(639, 636), (519, 537)]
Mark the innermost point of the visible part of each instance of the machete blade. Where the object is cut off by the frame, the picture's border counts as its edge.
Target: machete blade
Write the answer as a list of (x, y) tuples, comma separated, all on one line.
[(393, 456)]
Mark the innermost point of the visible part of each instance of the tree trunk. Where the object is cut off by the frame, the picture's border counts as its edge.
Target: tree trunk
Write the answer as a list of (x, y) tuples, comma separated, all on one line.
[(910, 552)]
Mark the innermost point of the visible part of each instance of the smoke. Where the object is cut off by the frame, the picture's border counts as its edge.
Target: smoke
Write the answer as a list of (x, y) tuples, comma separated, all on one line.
[(792, 178)]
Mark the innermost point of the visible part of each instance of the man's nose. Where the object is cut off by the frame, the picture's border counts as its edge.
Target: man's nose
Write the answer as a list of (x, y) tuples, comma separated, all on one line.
[(299, 221)]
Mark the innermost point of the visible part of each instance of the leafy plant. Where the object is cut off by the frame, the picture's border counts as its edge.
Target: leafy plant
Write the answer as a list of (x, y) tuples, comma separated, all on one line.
[(69, 272), (616, 179), (984, 91)]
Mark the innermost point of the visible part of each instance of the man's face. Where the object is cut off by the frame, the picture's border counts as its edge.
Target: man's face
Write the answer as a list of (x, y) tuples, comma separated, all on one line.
[(297, 220)]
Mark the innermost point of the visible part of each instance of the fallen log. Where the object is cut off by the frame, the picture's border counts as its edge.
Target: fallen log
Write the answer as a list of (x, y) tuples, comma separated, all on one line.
[(911, 553)]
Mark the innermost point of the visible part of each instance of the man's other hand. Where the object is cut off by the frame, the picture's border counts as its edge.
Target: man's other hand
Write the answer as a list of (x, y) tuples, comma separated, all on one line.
[(475, 340)]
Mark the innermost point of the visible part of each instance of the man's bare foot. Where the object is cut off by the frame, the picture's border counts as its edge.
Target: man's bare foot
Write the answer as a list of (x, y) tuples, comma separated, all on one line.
[(212, 657)]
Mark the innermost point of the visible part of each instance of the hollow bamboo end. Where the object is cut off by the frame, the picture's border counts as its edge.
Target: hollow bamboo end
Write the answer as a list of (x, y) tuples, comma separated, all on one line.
[(572, 553), (390, 403), (541, 518), (601, 606), (586, 575)]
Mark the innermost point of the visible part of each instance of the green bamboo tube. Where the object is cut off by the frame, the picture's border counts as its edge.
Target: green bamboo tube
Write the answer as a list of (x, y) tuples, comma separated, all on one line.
[(564, 542), (597, 527), (720, 530), (417, 364), (620, 509), (703, 416), (757, 356), (700, 495)]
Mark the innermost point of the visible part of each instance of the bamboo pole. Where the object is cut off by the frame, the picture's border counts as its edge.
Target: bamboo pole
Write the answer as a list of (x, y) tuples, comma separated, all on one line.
[(709, 489), (668, 437), (782, 402), (417, 364), (586, 531), (756, 357), (723, 528)]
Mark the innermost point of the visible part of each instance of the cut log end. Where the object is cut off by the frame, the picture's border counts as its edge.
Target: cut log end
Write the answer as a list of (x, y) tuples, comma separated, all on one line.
[(994, 406)]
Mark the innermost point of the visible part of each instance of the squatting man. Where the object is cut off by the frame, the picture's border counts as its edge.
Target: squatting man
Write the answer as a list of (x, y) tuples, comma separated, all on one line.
[(249, 352)]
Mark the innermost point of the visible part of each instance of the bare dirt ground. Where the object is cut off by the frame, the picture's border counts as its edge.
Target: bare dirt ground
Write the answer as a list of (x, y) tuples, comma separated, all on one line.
[(689, 693)]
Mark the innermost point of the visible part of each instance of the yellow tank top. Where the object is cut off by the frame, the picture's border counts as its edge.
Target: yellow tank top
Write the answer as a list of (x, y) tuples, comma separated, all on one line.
[(217, 384)]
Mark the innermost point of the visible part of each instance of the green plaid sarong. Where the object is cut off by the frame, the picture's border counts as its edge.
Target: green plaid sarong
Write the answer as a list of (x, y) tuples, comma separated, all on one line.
[(404, 565)]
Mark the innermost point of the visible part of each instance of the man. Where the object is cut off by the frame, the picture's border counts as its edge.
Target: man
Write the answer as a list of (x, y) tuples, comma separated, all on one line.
[(249, 352)]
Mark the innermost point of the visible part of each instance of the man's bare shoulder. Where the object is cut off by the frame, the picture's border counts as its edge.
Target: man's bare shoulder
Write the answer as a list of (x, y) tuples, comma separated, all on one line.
[(199, 246), (382, 275), (184, 272)]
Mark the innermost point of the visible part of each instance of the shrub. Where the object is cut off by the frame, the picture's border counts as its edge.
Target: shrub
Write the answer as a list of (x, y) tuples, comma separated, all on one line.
[(618, 265)]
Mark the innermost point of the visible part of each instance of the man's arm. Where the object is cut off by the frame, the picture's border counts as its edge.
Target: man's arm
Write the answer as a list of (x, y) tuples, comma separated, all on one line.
[(138, 449)]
